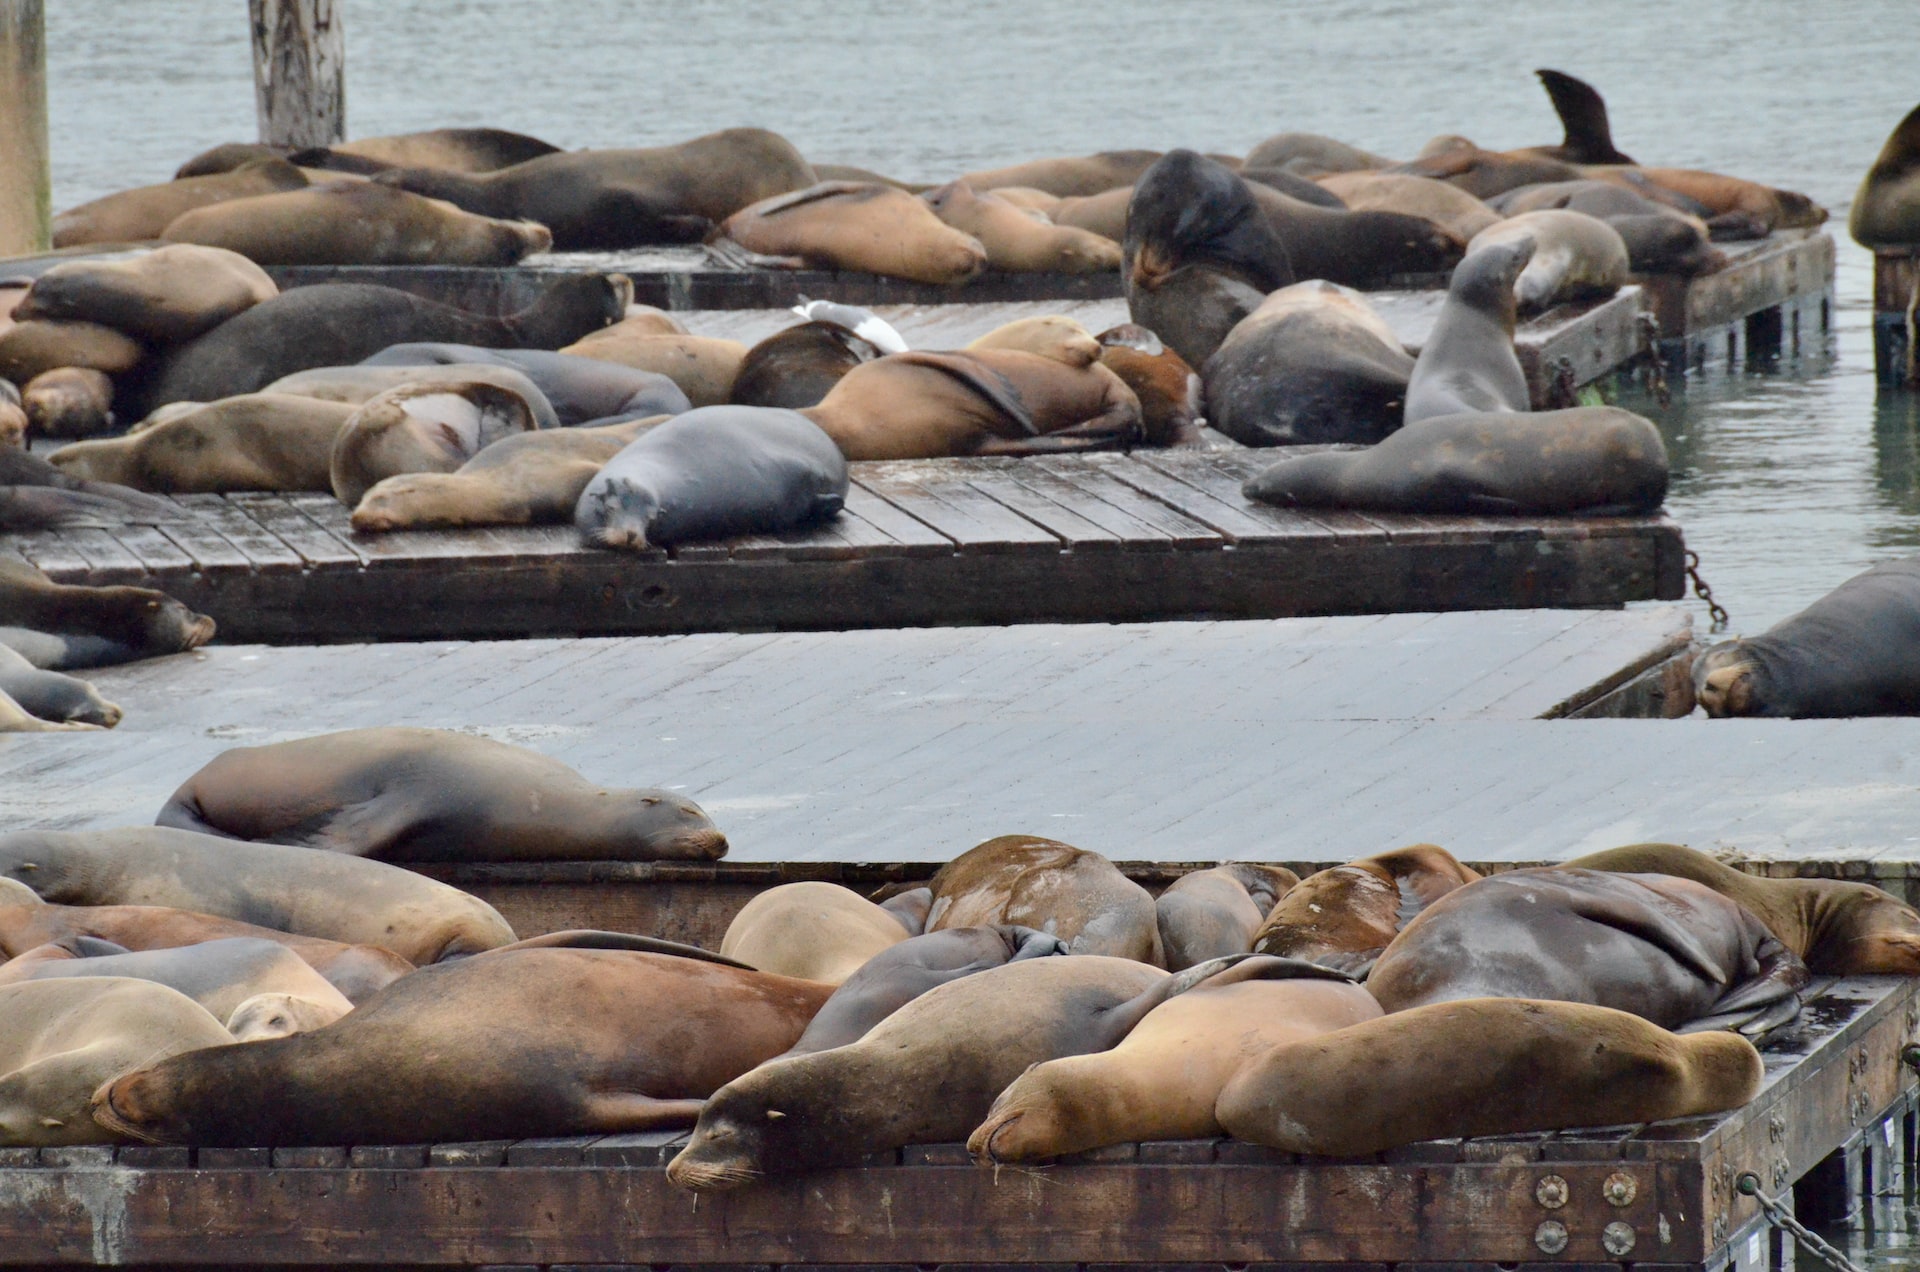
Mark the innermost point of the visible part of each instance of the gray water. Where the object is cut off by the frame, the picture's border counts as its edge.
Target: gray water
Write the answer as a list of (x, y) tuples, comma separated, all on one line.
[(1787, 480)]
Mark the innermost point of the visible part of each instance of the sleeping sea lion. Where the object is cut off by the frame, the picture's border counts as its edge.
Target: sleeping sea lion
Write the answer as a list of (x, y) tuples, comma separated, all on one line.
[(68, 402), (1468, 362), (36, 346), (1485, 173), (1720, 198), (82, 626), (1345, 916), (1208, 914), (874, 229), (1886, 208), (1069, 178), (1053, 336), (1068, 892), (143, 214), (704, 367), (1447, 206), (580, 389), (421, 428), (1313, 156), (798, 366), (1168, 389), (1659, 239), (1575, 257), (1366, 248), (360, 383), (255, 441), (48, 695), (812, 930), (1018, 242), (164, 297), (450, 149)]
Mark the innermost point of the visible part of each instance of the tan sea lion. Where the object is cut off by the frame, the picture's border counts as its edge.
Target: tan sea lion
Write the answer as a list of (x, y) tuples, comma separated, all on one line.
[(1168, 389), (1660, 239), (1485, 173), (527, 1042), (811, 930), (257, 441), (165, 296), (433, 795), (1161, 1081), (1576, 257), (1345, 916), (1208, 914), (60, 1039), (1717, 196), (332, 896), (356, 223), (421, 428), (360, 383), (1104, 213), (143, 213), (68, 402), (1053, 336), (703, 366), (34, 347), (646, 320), (1068, 892), (451, 149), (1029, 198), (13, 892), (1018, 242), (874, 229), (1487, 1067), (1437, 201), (1068, 178), (1886, 208)]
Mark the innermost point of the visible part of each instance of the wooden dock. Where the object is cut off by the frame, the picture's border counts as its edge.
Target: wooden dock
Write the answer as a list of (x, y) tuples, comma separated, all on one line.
[(1896, 301), (1093, 538), (1657, 1196), (1773, 295)]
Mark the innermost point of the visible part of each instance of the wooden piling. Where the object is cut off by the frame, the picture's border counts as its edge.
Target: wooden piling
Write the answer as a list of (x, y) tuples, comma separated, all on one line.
[(26, 198), (1896, 314), (299, 71)]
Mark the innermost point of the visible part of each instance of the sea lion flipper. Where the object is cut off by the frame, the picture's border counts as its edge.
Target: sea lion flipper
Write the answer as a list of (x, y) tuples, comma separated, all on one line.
[(593, 939), (1583, 114), (629, 1112), (982, 379)]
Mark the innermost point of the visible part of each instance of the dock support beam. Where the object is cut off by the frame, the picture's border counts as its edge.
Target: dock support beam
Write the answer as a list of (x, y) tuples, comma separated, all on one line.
[(26, 186), (299, 71)]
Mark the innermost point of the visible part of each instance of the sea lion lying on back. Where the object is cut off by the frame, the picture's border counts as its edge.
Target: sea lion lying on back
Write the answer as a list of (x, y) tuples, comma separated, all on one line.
[(421, 428)]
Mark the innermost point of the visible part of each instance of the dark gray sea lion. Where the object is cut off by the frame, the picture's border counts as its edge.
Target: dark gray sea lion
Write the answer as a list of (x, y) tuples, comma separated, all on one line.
[(580, 388), (1208, 914), (1886, 208), (1079, 896), (36, 494), (291, 889), (797, 367), (902, 972), (1853, 652), (533, 1042), (1576, 257), (433, 795), (1313, 363), (1586, 461), (335, 324), (1344, 916), (712, 473), (1583, 117), (50, 695), (1356, 248), (1659, 239), (626, 198), (1669, 950), (142, 214), (95, 626), (164, 297), (1468, 362)]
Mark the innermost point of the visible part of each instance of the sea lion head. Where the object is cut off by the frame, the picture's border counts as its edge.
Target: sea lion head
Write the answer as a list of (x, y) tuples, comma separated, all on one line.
[(1047, 1111), (279, 1015), (1485, 279), (1726, 681), (1861, 930), (161, 624), (745, 1131), (1189, 209), (668, 827), (617, 512), (140, 1106)]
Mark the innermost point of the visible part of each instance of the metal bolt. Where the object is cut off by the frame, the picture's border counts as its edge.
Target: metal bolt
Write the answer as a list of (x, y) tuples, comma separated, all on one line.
[(1551, 1192), (1551, 1237), (1618, 1238), (1619, 1189)]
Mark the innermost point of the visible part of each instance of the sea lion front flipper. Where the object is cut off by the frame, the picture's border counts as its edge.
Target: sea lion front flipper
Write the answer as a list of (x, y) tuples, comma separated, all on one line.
[(982, 379), (1583, 114)]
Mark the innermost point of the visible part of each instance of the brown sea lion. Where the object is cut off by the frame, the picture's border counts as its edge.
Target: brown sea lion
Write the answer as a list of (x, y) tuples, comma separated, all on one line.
[(164, 297), (798, 366), (421, 428), (356, 223), (34, 347), (988, 402), (1104, 213), (1024, 197), (1435, 201), (454, 149), (1345, 916), (1068, 892), (94, 626), (925, 1074), (1161, 1081), (62, 1038), (360, 383), (1018, 242), (1168, 389), (68, 402), (532, 1042), (1313, 156), (1575, 257), (1207, 914), (1468, 362), (256, 441), (143, 213), (1363, 248), (1664, 948), (328, 895), (703, 366), (433, 795), (812, 930), (1886, 208), (1069, 178), (1486, 1067), (1718, 197), (1837, 928), (874, 229)]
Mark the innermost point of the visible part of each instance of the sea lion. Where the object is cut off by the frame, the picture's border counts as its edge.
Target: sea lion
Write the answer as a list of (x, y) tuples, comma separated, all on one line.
[(1886, 208), (798, 366), (533, 1042), (1837, 928), (1489, 1067), (1104, 214), (1356, 248), (1053, 336), (15, 718), (1207, 914), (1020, 196), (62, 1038), (1447, 206), (223, 976), (421, 428), (1068, 892), (165, 296), (1069, 178), (713, 473), (646, 319), (1314, 363), (874, 229), (329, 895), (358, 971), (1719, 198), (356, 223), (1850, 653), (1344, 916), (1659, 239), (255, 441), (851, 172), (704, 367), (925, 1074), (100, 625), (143, 213), (1312, 155), (360, 383), (1168, 389), (1468, 362), (812, 930), (1667, 949), (433, 795), (1162, 1079), (596, 199), (1017, 242), (68, 402), (450, 149), (911, 907), (13, 892), (524, 479), (1294, 186), (36, 346), (1576, 257), (334, 324), (907, 969), (1586, 461), (1485, 173), (49, 695), (923, 405)]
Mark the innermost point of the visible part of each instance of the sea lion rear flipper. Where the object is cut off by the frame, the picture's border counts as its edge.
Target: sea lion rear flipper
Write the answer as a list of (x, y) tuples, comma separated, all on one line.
[(726, 252), (1583, 113), (1767, 1000)]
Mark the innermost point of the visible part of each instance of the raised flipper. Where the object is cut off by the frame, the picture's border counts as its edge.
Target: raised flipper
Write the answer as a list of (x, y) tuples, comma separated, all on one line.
[(1583, 113)]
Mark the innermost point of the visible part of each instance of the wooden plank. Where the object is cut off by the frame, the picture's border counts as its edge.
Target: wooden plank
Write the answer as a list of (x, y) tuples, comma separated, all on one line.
[(228, 522), (1097, 486), (315, 547), (1256, 523), (158, 553), (1056, 510), (944, 502), (108, 560), (55, 554), (912, 536)]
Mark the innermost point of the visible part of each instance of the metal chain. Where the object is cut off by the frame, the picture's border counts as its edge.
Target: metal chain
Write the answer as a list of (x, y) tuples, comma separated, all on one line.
[(1749, 1184), (1656, 365), (1715, 609)]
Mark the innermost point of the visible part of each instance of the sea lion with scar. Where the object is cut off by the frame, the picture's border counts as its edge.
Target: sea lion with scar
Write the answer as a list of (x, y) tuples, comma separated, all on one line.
[(1076, 895), (143, 214), (812, 930), (1207, 914), (1017, 242), (1886, 208), (333, 896), (528, 1042), (433, 795), (255, 441), (1853, 652), (1486, 1067), (1468, 362), (421, 428), (874, 229), (164, 297), (1575, 257), (1345, 916)]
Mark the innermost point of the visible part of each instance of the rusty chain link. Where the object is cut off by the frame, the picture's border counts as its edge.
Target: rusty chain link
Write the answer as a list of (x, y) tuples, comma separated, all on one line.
[(1656, 365), (1810, 1241), (1715, 610)]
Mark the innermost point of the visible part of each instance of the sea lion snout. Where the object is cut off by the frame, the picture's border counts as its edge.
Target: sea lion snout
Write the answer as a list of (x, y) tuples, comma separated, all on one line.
[(118, 1106)]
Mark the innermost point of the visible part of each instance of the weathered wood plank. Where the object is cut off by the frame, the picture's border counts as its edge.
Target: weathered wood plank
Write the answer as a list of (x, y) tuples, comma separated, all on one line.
[(219, 519), (315, 547), (945, 502)]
